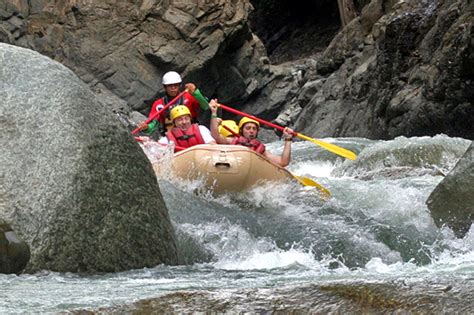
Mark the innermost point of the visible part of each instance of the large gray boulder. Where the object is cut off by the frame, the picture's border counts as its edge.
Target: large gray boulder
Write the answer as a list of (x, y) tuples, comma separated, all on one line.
[(452, 201), (75, 185)]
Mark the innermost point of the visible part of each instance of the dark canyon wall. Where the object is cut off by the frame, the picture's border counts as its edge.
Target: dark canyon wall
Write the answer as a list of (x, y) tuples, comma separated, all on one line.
[(399, 68)]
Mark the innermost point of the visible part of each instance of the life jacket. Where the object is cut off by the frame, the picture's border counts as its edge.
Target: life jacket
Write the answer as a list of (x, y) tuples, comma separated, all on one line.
[(186, 139), (179, 101), (253, 144), (186, 99)]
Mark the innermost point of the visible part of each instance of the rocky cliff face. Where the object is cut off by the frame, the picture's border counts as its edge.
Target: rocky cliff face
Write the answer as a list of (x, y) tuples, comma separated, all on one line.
[(395, 70), (122, 48), (399, 68)]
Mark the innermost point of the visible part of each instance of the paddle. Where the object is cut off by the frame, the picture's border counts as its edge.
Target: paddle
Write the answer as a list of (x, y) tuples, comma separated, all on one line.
[(305, 181), (230, 130), (328, 146), (160, 111)]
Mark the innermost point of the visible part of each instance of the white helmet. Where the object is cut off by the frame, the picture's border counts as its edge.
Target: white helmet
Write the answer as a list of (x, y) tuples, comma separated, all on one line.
[(171, 77)]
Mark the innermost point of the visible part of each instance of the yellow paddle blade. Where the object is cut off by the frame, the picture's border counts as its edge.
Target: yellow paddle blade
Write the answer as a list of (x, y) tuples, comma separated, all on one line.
[(305, 181), (330, 147)]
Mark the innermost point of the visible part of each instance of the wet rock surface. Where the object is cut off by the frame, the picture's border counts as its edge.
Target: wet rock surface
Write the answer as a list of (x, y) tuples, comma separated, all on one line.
[(312, 298), (452, 201), (75, 186)]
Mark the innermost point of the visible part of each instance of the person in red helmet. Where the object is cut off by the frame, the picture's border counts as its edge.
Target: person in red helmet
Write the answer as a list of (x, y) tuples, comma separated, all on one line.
[(248, 136), (193, 99)]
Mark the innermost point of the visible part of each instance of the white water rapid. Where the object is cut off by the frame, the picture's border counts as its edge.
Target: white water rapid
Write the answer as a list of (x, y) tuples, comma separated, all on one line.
[(279, 240)]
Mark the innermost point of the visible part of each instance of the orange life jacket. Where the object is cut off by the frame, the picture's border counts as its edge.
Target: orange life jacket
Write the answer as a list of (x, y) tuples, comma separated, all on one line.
[(186, 139), (253, 144)]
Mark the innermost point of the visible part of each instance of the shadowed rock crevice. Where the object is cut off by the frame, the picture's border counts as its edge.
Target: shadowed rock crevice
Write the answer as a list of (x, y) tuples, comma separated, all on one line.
[(14, 252), (291, 30)]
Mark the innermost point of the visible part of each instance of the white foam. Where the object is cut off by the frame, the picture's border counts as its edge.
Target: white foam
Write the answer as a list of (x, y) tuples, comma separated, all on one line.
[(268, 260), (313, 169), (376, 265)]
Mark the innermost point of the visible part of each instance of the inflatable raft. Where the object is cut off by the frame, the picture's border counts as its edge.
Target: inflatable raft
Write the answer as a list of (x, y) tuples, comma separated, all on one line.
[(227, 168)]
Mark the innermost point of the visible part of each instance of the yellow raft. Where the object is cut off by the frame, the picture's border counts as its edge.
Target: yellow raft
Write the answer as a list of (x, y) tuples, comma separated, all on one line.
[(231, 168), (226, 168)]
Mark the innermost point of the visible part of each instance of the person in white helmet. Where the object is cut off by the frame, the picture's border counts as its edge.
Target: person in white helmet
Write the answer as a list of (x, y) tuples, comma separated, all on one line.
[(193, 99)]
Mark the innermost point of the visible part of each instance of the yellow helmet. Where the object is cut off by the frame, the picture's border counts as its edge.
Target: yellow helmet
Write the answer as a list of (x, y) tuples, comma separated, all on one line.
[(179, 111), (232, 125), (245, 120)]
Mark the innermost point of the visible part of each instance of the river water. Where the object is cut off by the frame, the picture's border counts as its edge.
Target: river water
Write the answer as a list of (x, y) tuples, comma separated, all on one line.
[(372, 247)]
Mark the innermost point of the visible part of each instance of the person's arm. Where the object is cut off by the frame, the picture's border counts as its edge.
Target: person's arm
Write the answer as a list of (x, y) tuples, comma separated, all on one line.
[(196, 93), (148, 128), (285, 157), (203, 103), (153, 125), (215, 126)]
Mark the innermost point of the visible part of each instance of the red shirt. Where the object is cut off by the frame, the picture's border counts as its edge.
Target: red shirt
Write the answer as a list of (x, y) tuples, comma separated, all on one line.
[(186, 99)]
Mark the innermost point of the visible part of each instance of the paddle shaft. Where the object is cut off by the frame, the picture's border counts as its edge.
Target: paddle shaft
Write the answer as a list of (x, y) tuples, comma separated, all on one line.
[(234, 111), (305, 181), (161, 110), (231, 131), (328, 146)]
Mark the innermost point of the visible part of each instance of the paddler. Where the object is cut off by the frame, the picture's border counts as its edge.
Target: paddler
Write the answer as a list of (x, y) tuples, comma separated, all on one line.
[(248, 136), (227, 128), (192, 98), (184, 133)]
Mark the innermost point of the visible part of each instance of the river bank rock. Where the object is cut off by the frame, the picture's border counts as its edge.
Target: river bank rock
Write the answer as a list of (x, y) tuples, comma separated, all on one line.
[(401, 68), (75, 185), (14, 253), (332, 297), (405, 157), (404, 69), (122, 49), (452, 201)]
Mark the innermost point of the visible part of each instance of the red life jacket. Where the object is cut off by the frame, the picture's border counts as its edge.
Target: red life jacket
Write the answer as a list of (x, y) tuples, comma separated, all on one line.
[(186, 99), (186, 139), (253, 144)]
